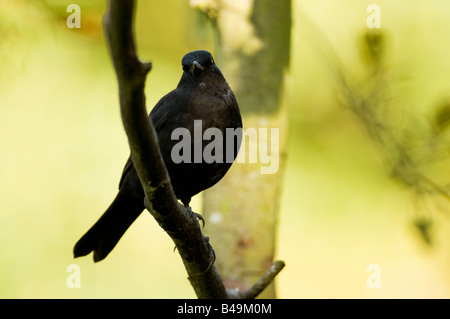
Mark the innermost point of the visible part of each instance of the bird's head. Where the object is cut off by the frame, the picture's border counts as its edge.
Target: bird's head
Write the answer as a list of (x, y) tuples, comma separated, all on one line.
[(200, 61)]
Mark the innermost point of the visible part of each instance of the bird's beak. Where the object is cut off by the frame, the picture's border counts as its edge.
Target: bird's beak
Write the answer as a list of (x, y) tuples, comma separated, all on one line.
[(196, 65)]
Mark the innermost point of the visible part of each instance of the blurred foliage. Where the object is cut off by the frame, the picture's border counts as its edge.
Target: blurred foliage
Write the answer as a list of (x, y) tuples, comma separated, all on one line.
[(63, 148), (408, 148)]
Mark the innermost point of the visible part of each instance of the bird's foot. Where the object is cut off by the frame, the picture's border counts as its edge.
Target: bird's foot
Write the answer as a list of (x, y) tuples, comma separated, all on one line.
[(199, 217)]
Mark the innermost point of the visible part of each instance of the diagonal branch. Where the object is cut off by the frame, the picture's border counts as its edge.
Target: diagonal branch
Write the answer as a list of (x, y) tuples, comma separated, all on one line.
[(184, 229)]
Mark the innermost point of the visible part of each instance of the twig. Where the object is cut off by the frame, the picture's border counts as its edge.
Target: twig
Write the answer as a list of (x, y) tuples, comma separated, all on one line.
[(262, 283)]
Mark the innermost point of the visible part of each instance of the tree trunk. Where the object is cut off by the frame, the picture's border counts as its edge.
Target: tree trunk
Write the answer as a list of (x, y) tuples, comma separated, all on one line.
[(241, 212)]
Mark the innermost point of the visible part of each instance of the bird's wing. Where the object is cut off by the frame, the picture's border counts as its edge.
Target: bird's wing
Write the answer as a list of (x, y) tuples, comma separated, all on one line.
[(159, 116), (127, 167), (227, 96)]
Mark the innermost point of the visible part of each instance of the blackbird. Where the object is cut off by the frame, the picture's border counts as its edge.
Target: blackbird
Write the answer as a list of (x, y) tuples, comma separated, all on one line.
[(201, 101)]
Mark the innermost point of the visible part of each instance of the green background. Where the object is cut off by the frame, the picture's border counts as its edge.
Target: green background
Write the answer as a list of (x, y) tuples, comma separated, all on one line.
[(62, 149)]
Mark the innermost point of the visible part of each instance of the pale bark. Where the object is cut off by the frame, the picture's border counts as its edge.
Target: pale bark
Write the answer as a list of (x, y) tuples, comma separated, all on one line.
[(241, 211)]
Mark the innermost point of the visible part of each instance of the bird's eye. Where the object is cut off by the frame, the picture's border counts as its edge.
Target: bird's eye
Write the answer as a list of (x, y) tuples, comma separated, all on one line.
[(212, 62)]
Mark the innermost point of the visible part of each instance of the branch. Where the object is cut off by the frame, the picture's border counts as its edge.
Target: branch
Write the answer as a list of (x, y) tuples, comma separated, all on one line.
[(183, 228)]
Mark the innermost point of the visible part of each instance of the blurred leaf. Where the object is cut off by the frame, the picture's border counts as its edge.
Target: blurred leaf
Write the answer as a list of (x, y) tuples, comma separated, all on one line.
[(441, 118), (423, 225), (373, 46)]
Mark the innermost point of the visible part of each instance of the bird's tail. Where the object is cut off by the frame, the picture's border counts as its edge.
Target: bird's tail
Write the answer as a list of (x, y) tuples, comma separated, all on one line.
[(106, 232)]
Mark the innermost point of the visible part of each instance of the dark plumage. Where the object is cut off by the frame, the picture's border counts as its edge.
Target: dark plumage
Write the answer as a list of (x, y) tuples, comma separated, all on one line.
[(202, 94)]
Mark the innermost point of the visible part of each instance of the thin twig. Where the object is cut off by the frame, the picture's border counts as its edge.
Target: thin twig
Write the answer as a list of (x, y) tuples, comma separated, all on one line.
[(262, 283)]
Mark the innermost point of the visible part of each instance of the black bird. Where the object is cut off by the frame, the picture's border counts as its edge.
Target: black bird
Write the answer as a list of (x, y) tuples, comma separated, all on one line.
[(202, 94)]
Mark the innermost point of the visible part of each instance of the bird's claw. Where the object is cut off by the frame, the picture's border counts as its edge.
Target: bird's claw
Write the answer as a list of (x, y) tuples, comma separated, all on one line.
[(198, 216)]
